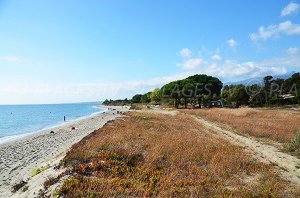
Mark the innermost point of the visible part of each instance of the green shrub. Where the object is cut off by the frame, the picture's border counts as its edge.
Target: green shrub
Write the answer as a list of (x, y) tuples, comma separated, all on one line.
[(294, 145)]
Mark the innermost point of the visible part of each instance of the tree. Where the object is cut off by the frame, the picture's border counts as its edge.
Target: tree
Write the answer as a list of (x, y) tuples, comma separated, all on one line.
[(155, 95), (105, 102), (193, 88), (267, 87), (172, 90), (257, 96), (240, 95), (276, 90), (146, 98), (226, 94), (203, 85), (186, 87), (235, 94), (136, 98), (292, 86)]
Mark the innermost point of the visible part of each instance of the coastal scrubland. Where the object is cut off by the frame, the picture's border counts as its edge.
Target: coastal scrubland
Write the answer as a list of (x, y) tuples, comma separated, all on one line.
[(279, 125), (146, 154)]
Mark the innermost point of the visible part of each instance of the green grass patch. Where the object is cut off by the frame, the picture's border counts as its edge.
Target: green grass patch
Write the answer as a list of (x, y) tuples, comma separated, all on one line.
[(294, 145), (39, 170)]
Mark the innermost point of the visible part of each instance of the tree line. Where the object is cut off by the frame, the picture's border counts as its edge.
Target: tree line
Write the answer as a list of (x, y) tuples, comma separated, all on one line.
[(199, 90)]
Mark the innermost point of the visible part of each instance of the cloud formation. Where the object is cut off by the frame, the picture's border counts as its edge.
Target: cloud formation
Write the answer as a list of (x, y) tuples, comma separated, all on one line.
[(290, 59), (216, 57), (274, 31), (232, 43), (291, 8), (226, 68), (185, 53), (193, 63), (283, 28)]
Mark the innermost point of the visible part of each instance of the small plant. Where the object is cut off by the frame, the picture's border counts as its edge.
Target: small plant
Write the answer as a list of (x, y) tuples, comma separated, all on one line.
[(294, 145), (25, 188), (50, 181), (18, 186), (39, 170), (136, 107)]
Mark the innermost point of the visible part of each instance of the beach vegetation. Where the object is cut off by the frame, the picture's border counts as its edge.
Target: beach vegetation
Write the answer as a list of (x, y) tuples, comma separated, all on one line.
[(50, 181), (25, 188), (277, 125), (39, 170), (146, 154), (18, 186), (294, 144)]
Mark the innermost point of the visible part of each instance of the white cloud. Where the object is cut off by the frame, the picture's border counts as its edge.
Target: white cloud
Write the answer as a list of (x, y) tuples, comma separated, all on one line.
[(291, 8), (193, 63), (274, 31), (232, 43), (185, 53), (265, 33), (293, 50), (12, 59), (291, 59), (228, 69), (216, 57), (247, 69), (289, 28)]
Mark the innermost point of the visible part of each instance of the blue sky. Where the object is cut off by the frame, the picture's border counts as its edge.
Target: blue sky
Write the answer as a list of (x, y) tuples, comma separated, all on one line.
[(72, 51)]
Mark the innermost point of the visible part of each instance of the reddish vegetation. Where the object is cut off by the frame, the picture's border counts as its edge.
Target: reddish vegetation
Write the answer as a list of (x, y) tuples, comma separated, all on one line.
[(163, 155), (278, 125)]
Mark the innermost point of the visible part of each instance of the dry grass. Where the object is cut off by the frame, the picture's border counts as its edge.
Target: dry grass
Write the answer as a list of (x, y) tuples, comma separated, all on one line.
[(278, 125), (163, 155)]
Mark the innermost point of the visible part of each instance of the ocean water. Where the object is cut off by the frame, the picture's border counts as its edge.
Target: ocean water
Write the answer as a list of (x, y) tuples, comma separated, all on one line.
[(17, 121)]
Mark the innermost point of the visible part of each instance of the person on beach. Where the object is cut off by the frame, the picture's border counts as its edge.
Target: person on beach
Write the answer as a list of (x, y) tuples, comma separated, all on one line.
[(64, 118)]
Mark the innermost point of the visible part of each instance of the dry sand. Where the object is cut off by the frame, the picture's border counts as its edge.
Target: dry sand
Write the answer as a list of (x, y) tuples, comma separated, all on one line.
[(21, 158)]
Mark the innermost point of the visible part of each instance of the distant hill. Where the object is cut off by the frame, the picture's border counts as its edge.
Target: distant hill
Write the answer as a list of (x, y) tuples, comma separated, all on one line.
[(259, 80)]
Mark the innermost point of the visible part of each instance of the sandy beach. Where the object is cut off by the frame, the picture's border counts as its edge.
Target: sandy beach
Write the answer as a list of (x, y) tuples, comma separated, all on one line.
[(20, 159)]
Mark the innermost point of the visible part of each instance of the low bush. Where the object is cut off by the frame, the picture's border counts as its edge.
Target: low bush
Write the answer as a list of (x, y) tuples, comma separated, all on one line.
[(18, 186), (294, 145)]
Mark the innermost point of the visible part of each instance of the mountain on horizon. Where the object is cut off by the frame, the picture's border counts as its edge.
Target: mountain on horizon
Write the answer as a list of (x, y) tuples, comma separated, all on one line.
[(259, 80)]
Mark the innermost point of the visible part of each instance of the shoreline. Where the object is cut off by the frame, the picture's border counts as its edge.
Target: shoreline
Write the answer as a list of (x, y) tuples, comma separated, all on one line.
[(21, 157), (12, 138)]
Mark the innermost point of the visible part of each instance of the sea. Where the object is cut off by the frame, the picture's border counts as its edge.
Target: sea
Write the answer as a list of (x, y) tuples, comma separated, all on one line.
[(17, 121)]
